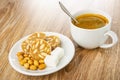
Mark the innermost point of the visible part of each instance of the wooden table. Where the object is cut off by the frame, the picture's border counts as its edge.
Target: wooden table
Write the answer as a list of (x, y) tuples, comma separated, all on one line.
[(19, 18)]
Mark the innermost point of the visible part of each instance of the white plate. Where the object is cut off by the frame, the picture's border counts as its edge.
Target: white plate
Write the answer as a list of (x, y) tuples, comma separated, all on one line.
[(66, 44)]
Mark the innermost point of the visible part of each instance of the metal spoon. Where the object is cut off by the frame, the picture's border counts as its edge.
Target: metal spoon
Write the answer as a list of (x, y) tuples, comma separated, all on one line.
[(67, 12)]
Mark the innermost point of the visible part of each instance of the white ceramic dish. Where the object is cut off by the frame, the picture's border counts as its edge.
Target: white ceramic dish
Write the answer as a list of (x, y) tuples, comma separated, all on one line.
[(66, 44)]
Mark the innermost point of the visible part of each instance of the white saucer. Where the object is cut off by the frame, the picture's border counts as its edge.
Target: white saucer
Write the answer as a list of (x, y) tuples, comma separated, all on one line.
[(66, 44)]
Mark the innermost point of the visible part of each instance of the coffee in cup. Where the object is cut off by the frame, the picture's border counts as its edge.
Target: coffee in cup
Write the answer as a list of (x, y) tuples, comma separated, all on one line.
[(91, 21)]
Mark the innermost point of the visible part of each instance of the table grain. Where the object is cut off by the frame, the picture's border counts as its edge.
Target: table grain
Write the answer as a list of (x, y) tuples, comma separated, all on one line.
[(19, 18)]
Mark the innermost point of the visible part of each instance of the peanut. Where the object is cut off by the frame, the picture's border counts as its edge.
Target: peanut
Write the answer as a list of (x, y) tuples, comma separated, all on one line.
[(33, 67), (26, 65), (42, 66)]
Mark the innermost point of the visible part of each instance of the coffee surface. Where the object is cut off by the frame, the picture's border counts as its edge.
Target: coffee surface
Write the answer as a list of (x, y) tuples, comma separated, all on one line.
[(91, 21)]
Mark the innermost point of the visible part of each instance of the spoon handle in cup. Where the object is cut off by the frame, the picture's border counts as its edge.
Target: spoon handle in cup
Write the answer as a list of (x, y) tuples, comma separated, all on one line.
[(67, 12)]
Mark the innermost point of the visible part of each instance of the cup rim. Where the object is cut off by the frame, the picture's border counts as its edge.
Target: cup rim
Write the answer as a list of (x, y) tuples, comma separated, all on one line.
[(94, 10)]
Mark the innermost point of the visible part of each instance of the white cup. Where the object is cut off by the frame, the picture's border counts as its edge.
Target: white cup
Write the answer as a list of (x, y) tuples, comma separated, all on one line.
[(93, 38)]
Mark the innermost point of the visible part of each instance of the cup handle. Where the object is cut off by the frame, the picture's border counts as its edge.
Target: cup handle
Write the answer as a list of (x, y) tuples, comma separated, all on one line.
[(114, 39)]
